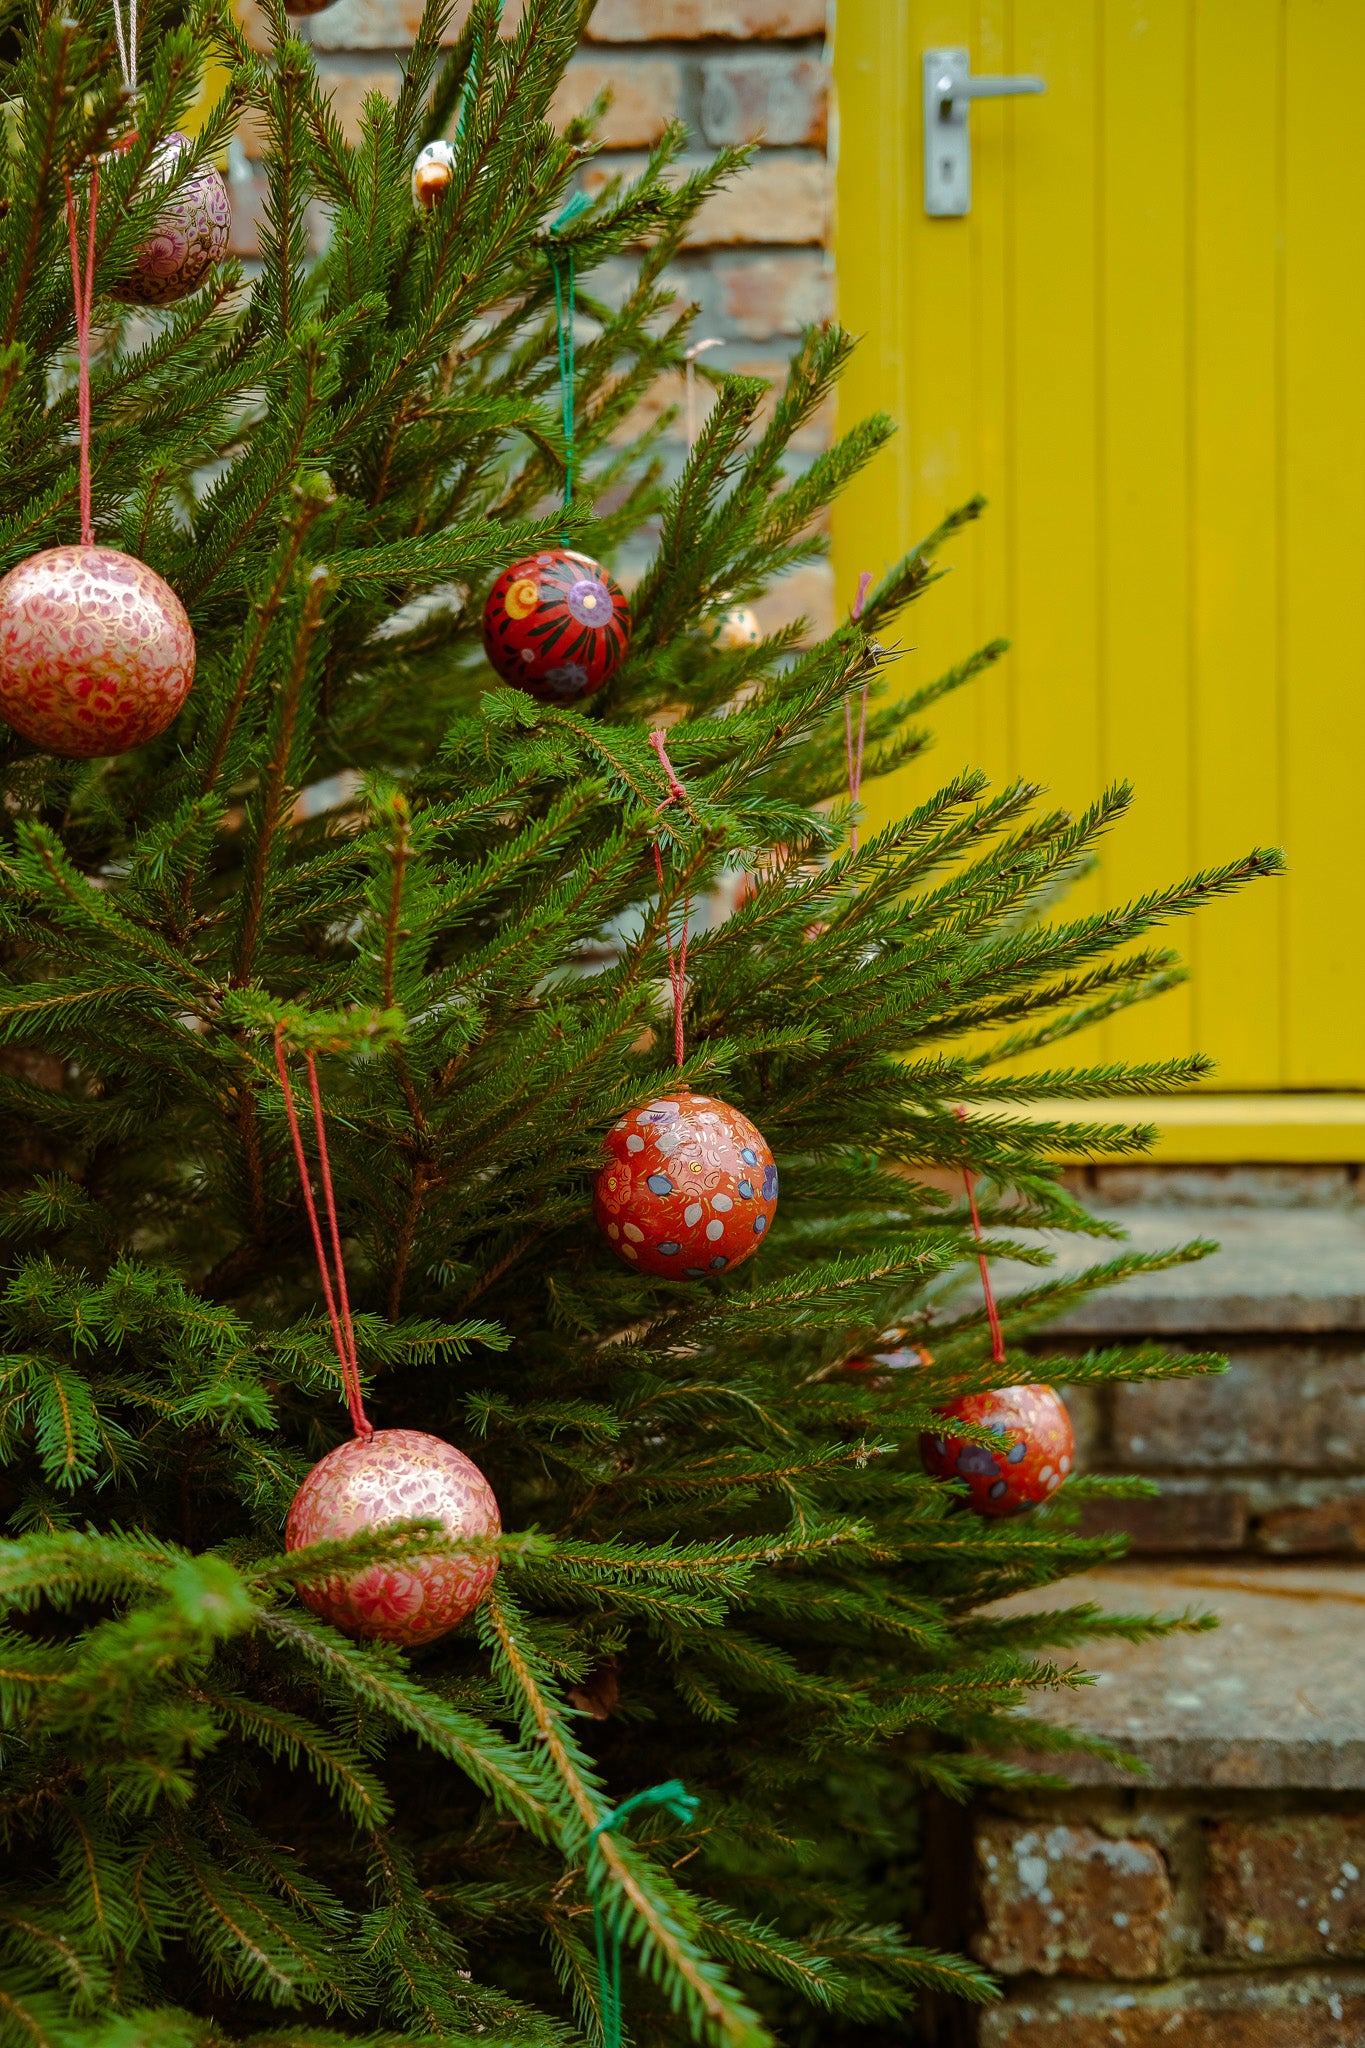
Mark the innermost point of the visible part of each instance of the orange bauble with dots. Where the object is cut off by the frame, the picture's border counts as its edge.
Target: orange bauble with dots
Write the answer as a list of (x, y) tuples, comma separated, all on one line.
[(1036, 1450), (396, 1475), (688, 1187)]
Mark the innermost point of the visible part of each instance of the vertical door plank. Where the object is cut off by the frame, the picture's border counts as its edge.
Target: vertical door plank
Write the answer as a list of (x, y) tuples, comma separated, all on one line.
[(1144, 535), (1235, 365), (1324, 544)]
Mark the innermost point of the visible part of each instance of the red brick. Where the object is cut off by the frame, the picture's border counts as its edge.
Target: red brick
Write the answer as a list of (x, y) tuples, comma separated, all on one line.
[(348, 90), (1188, 1516), (648, 21), (772, 294), (767, 94), (386, 24), (779, 198), (1058, 1900), (804, 594), (1307, 2012), (1322, 1528), (1282, 1891), (646, 94)]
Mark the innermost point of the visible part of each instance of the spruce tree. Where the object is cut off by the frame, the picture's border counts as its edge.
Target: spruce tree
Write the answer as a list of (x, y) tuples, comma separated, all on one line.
[(222, 1820)]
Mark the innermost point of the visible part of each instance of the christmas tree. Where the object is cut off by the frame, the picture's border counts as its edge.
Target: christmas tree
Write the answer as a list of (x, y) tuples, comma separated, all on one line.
[(225, 1820)]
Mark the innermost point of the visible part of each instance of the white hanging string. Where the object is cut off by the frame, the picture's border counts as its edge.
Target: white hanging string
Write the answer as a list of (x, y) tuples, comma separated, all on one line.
[(126, 34), (690, 407)]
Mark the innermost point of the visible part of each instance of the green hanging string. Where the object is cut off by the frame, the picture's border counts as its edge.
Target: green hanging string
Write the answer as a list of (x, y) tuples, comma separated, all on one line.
[(561, 269), (681, 1804)]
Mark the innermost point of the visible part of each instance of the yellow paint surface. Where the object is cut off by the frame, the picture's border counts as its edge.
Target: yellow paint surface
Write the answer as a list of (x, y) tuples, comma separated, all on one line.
[(1146, 346)]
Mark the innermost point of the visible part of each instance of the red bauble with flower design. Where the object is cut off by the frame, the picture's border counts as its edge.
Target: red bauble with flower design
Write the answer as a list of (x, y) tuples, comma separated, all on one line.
[(556, 625), (396, 1475), (1034, 1457), (96, 653), (688, 1188)]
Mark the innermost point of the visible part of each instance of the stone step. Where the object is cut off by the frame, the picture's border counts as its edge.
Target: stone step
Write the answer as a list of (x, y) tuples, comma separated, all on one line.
[(1220, 1898), (1277, 1271)]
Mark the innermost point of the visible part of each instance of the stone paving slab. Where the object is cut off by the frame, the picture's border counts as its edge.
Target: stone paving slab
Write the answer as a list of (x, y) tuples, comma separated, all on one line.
[(1272, 1699), (1276, 1269)]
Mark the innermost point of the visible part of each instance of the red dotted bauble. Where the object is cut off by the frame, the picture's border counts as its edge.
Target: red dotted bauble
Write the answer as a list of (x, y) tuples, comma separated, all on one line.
[(556, 625), (1032, 1461), (394, 1476), (688, 1187), (96, 653)]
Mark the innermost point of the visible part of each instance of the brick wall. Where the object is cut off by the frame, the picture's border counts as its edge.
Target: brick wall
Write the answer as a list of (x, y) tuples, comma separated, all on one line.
[(1267, 1459), (1122, 1920), (733, 71)]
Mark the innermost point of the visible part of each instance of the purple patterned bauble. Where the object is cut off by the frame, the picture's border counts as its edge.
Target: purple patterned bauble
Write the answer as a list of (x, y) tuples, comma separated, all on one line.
[(190, 236), (396, 1475)]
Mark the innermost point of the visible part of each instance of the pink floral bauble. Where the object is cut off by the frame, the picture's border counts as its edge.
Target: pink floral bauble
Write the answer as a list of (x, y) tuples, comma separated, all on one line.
[(190, 236), (395, 1476), (96, 653)]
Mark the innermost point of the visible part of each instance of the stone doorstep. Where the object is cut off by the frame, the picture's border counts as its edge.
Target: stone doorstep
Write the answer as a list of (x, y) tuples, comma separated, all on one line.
[(1275, 1270), (1273, 1699), (1324, 2009)]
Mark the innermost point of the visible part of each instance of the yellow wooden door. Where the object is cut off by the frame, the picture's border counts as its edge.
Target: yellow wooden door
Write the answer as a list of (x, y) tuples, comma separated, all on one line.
[(1146, 344)]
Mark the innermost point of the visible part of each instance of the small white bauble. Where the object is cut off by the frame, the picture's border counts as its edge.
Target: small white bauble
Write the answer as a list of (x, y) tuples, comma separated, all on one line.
[(432, 174)]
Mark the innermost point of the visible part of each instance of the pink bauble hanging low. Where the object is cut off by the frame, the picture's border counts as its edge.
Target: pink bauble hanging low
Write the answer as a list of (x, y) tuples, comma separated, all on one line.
[(397, 1475), (96, 653), (190, 235)]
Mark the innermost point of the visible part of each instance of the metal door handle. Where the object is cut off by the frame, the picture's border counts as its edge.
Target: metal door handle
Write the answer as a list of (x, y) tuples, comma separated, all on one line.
[(949, 89)]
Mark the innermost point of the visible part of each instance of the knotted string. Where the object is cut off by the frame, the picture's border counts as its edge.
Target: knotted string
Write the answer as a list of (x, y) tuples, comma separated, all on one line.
[(681, 1804), (83, 294), (333, 1283), (853, 755), (677, 964), (561, 270), (992, 1312)]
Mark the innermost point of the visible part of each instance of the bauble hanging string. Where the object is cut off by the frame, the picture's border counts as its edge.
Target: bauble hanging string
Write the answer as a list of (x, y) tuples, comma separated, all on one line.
[(192, 229), (1038, 1447), (556, 624), (380, 1476), (96, 652), (688, 1186), (678, 1801)]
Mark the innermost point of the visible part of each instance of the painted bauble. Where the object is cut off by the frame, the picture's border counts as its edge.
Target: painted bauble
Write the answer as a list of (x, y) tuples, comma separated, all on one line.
[(432, 175), (728, 630), (556, 625), (306, 6), (96, 653), (1033, 1459), (190, 235), (688, 1187), (395, 1476)]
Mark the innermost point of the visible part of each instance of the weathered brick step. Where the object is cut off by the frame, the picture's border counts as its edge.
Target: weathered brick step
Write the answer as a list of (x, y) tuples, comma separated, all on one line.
[(1220, 1901)]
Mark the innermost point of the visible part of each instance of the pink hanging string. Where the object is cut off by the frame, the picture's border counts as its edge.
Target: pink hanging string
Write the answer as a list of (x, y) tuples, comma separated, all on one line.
[(983, 1266), (677, 961), (853, 751), (333, 1283), (83, 293)]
